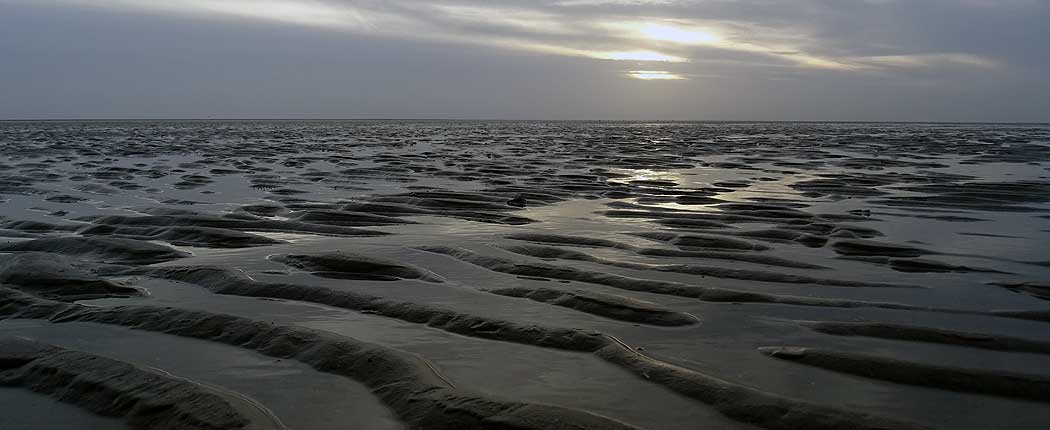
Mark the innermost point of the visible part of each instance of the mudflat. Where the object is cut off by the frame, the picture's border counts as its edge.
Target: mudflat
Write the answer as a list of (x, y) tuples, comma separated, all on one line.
[(526, 275)]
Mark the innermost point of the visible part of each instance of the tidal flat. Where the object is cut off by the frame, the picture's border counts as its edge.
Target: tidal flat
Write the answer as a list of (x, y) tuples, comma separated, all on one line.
[(524, 275)]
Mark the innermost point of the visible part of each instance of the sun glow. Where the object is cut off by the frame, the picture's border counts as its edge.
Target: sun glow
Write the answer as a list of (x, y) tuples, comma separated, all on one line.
[(651, 75), (639, 56), (670, 33), (661, 31)]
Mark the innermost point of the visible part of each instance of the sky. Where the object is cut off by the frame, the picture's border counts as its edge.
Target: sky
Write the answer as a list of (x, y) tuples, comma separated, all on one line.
[(726, 60)]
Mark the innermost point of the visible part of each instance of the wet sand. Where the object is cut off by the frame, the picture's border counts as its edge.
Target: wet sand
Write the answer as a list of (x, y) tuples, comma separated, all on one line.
[(458, 275)]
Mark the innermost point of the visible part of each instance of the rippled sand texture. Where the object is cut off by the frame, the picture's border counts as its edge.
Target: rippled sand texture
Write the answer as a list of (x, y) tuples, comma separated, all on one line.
[(467, 275)]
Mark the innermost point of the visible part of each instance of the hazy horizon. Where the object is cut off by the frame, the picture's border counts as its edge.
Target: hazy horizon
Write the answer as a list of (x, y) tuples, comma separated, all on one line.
[(634, 60), (513, 120)]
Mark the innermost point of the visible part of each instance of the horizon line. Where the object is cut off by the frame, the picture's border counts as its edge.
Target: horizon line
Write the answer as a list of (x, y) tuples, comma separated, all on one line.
[(187, 119)]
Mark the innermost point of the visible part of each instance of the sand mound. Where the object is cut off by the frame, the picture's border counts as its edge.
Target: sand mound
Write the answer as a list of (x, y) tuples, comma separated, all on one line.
[(930, 335), (559, 239), (691, 241), (767, 260), (606, 305), (56, 277), (144, 400), (345, 218), (264, 210), (782, 235), (920, 265), (232, 223), (1006, 384), (462, 205), (18, 234), (206, 237), (715, 272), (708, 294), (387, 208), (109, 250), (873, 248), (983, 196), (37, 226), (1034, 289), (343, 265), (226, 281), (747, 404)]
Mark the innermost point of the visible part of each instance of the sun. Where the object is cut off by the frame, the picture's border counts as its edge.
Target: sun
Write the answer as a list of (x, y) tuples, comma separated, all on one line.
[(640, 56), (651, 75)]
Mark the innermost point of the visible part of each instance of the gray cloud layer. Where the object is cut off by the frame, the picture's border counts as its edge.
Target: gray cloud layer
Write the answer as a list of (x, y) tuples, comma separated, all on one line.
[(954, 60)]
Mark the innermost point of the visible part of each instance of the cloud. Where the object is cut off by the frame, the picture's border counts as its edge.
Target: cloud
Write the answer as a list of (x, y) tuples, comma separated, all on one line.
[(716, 59), (602, 29)]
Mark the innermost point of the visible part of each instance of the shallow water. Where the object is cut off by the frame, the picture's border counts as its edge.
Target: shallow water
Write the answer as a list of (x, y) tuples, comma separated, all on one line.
[(931, 226)]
